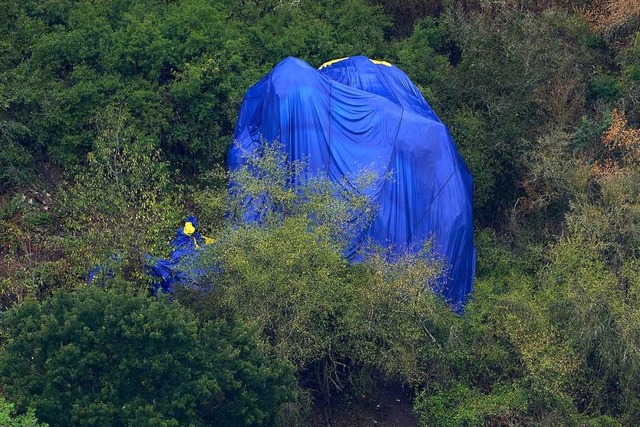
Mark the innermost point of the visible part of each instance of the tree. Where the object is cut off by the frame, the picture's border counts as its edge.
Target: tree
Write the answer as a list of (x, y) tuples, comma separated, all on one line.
[(337, 323), (123, 203), (96, 357)]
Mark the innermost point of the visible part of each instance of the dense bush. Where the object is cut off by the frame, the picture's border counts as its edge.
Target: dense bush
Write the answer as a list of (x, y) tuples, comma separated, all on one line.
[(124, 203), (338, 324), (540, 347), (95, 357), (500, 78), (178, 68)]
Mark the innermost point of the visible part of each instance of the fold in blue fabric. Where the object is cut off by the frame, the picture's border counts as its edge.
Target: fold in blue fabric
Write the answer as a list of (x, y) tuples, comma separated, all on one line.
[(355, 115)]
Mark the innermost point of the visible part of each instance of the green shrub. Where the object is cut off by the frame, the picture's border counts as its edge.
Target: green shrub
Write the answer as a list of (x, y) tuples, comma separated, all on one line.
[(336, 323), (124, 202), (540, 345), (462, 406), (604, 87), (98, 357), (16, 165), (8, 418)]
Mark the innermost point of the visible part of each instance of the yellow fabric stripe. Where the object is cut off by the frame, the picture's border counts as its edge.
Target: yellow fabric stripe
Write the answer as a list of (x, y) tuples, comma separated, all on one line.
[(380, 62), (333, 61)]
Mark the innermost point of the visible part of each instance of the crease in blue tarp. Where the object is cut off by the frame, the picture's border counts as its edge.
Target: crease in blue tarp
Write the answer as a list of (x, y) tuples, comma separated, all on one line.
[(356, 114)]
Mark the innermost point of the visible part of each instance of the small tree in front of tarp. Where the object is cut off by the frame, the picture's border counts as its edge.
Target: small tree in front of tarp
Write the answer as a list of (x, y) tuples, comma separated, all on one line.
[(279, 265), (270, 187), (179, 268)]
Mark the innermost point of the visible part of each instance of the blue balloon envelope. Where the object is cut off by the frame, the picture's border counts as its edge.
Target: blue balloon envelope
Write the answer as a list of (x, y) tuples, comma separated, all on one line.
[(354, 115)]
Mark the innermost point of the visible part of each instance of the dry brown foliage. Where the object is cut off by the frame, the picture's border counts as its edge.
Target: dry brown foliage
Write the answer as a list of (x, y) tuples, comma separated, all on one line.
[(607, 15), (621, 145)]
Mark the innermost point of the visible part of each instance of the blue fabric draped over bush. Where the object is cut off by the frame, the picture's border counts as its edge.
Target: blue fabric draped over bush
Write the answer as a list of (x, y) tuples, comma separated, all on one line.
[(181, 267), (356, 114)]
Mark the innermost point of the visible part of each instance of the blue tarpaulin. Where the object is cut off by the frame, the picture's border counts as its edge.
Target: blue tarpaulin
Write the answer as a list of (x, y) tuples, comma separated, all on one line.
[(356, 114)]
